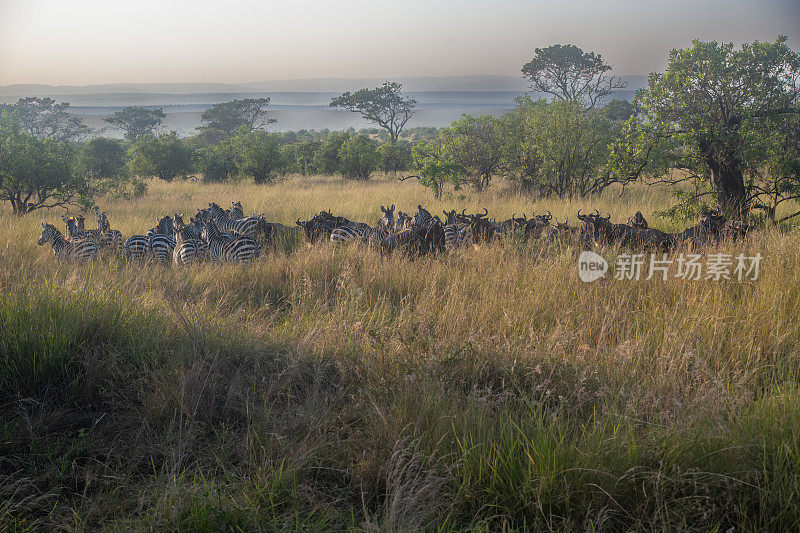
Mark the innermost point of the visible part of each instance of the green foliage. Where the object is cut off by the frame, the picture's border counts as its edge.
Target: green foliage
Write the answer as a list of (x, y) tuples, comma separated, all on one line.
[(103, 161), (358, 158), (215, 163), (557, 148), (474, 144), (256, 153), (327, 159), (571, 75), (384, 106), (304, 156), (227, 117), (137, 122), (44, 118), (166, 157), (711, 117), (436, 167), (618, 110), (394, 157), (37, 173)]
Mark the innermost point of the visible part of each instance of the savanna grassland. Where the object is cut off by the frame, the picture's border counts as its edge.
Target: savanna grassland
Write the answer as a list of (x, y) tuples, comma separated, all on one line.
[(323, 388)]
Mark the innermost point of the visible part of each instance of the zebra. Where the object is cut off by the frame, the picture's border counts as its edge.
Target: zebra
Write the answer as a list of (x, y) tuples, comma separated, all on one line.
[(160, 241), (236, 212), (404, 221), (320, 226), (243, 226), (457, 235), (222, 247), (422, 217), (80, 250), (108, 237), (387, 220), (187, 250), (137, 247), (71, 229), (352, 232)]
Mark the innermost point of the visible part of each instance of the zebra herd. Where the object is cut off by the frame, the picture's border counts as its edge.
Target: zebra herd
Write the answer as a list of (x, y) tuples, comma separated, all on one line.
[(227, 235), (213, 233)]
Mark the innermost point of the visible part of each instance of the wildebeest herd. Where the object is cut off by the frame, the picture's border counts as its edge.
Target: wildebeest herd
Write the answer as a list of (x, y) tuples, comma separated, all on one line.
[(219, 234)]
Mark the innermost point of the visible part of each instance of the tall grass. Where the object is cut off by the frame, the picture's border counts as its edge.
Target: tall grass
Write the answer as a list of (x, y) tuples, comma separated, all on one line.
[(337, 389)]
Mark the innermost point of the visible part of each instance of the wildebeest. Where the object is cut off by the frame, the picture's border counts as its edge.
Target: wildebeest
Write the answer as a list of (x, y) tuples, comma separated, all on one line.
[(637, 221), (601, 231), (417, 240)]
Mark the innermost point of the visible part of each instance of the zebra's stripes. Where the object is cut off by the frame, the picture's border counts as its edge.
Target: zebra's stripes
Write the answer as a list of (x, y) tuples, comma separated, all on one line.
[(108, 237), (71, 230), (222, 247), (422, 217), (79, 250), (457, 235), (161, 247), (137, 247), (243, 226), (187, 250), (236, 211)]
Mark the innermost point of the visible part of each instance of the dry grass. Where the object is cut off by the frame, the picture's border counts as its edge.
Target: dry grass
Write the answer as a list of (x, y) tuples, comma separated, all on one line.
[(333, 389)]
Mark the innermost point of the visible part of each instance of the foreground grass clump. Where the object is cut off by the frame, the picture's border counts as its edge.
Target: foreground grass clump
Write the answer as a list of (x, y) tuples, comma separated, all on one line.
[(337, 389)]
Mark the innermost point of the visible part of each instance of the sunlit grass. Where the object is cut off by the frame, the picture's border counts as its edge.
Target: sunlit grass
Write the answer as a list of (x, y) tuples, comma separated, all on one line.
[(335, 388)]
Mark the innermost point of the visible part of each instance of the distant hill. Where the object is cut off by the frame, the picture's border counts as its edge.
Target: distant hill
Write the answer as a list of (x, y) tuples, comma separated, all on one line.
[(410, 84)]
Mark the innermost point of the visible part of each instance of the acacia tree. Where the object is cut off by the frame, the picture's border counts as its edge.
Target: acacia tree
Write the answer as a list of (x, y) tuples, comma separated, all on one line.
[(384, 106), (137, 122), (710, 119), (38, 173), (45, 119), (228, 116), (570, 74)]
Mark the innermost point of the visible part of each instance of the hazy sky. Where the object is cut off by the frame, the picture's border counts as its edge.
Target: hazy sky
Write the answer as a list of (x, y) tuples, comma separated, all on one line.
[(100, 41)]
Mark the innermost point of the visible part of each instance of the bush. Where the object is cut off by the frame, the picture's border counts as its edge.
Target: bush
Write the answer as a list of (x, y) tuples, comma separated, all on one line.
[(327, 158), (166, 157), (359, 158)]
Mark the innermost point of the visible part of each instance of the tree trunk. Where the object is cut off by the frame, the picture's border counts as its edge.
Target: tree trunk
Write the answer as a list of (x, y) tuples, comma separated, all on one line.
[(729, 184), (727, 180)]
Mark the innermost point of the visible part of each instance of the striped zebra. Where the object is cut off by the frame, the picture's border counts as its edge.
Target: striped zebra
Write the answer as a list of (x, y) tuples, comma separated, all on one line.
[(71, 230), (457, 235), (194, 230), (236, 212), (79, 250), (225, 248), (187, 250), (404, 221), (422, 218), (243, 226), (354, 232), (108, 237), (161, 242), (137, 247)]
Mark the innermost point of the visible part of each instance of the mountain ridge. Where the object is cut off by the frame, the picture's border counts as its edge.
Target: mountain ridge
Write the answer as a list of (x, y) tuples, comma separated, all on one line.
[(410, 84)]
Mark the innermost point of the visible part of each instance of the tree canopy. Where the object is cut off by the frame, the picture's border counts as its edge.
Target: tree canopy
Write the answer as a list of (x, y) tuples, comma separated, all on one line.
[(384, 106), (38, 173), (708, 119), (166, 157), (359, 157), (137, 122), (228, 116), (570, 74), (45, 119)]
